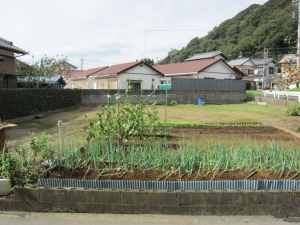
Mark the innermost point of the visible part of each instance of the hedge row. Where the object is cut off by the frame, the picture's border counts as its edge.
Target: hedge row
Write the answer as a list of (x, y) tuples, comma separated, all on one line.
[(16, 103)]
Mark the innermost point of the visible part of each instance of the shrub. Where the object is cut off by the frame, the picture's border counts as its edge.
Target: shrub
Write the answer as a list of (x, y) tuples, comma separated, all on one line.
[(248, 85), (20, 102), (123, 120), (292, 110), (250, 96), (173, 103)]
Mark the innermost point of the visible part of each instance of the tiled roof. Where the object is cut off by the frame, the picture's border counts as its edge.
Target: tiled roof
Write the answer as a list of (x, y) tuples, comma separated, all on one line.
[(74, 74), (262, 61), (84, 73), (206, 55), (187, 67), (116, 69), (92, 71), (8, 45), (119, 68)]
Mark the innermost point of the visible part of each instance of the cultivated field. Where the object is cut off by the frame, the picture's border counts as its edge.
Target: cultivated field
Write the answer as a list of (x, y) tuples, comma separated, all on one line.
[(242, 143), (74, 121)]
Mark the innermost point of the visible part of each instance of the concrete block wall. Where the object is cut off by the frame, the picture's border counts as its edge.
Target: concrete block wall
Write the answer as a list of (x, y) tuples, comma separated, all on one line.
[(100, 97), (276, 203)]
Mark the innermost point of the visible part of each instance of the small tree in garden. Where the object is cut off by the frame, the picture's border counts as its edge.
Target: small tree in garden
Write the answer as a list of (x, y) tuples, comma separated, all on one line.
[(124, 120), (290, 74), (34, 74)]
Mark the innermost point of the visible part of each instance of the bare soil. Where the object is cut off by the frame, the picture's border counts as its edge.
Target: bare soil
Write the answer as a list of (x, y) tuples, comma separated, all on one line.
[(151, 175)]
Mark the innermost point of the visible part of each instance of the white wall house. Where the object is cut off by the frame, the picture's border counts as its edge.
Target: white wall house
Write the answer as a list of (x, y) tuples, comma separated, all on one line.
[(80, 78), (265, 71), (215, 68), (139, 75)]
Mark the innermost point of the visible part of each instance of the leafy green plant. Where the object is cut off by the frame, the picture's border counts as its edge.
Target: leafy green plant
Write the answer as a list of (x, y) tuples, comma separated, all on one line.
[(123, 120), (250, 96), (173, 103), (41, 144), (21, 166), (292, 110)]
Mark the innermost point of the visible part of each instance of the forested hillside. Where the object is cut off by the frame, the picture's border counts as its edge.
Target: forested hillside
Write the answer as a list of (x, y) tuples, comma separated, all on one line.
[(270, 25)]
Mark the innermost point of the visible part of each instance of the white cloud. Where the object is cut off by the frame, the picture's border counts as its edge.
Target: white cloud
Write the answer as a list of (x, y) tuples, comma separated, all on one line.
[(110, 31)]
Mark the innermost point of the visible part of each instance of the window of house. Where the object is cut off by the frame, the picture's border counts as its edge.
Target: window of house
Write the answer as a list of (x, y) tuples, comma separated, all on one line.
[(250, 71), (271, 70)]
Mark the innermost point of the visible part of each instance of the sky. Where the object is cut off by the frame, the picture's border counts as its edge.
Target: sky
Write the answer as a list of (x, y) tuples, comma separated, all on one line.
[(95, 33)]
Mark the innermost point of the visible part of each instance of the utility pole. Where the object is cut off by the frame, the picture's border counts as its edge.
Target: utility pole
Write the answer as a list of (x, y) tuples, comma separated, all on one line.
[(81, 62), (241, 55), (266, 52), (297, 3)]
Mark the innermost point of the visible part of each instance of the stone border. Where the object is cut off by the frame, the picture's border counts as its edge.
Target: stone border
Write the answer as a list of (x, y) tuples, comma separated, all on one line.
[(276, 203), (5, 185)]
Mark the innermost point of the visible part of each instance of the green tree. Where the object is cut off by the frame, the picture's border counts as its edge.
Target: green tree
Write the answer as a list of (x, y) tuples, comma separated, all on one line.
[(34, 74), (251, 30), (148, 61)]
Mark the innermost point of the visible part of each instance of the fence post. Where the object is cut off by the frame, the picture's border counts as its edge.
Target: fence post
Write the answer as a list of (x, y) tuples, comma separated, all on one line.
[(61, 136)]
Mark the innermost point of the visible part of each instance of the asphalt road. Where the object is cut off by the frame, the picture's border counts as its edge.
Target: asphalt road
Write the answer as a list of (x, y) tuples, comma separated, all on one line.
[(23, 218)]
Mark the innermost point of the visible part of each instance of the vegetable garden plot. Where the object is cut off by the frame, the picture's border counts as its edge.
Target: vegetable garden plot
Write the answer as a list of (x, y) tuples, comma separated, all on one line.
[(191, 153)]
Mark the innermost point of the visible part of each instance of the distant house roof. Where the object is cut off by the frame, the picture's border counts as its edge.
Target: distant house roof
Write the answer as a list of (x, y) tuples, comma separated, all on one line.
[(240, 62), (207, 55), (120, 68), (258, 62), (8, 45), (187, 67), (84, 73), (288, 57)]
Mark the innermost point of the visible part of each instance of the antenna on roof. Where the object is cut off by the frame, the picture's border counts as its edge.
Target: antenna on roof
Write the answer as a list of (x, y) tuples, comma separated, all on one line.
[(81, 62), (241, 55)]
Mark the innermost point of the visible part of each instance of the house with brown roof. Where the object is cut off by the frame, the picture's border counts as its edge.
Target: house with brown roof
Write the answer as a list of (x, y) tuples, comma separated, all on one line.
[(139, 75), (8, 54), (80, 78), (215, 68)]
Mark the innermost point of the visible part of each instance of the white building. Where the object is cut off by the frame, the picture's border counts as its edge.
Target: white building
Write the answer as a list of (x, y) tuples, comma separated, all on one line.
[(138, 74)]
